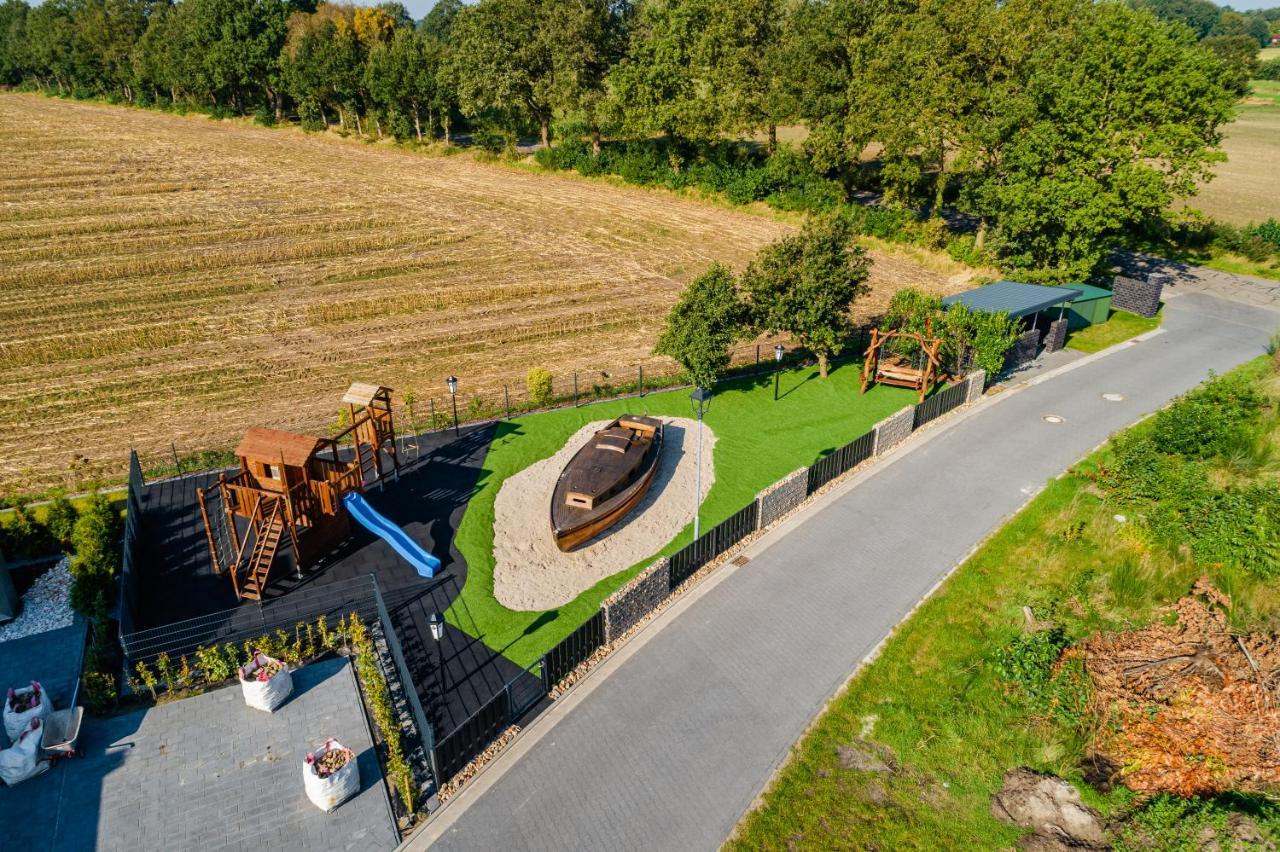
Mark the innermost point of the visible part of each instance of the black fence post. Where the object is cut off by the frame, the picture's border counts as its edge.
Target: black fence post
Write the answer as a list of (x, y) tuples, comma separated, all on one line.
[(757, 372), (642, 379), (433, 415), (506, 395), (406, 682), (173, 448), (575, 388)]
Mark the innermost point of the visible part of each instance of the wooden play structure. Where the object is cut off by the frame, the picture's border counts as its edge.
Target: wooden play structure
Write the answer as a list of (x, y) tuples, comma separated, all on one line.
[(920, 374), (293, 485)]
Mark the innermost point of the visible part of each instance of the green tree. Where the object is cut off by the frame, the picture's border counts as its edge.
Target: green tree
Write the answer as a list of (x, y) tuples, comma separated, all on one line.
[(701, 69), (805, 285), (95, 540), (708, 318), (1239, 57), (13, 35), (401, 76), (1106, 125)]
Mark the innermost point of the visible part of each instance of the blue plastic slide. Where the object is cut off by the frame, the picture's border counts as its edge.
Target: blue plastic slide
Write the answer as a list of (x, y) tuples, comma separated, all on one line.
[(424, 563)]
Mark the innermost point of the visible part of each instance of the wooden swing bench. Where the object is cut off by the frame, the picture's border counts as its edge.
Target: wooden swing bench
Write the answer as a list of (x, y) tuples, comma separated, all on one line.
[(921, 377)]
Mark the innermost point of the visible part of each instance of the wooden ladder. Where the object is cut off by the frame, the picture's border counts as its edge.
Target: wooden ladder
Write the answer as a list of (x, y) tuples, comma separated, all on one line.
[(366, 456), (264, 551)]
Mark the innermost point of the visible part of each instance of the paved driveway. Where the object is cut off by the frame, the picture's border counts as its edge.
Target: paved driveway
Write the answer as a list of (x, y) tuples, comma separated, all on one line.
[(670, 749)]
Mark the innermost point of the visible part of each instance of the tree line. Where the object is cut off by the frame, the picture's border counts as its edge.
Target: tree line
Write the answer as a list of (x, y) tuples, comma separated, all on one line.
[(1054, 124)]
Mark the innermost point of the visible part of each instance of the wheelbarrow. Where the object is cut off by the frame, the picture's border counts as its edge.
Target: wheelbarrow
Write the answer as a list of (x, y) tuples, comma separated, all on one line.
[(61, 730)]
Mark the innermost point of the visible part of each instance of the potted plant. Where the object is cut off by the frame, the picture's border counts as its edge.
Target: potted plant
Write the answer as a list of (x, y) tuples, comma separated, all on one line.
[(265, 682), (23, 705), (331, 775)]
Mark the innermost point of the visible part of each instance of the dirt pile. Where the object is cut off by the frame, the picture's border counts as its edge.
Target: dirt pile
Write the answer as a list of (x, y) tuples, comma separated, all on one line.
[(1051, 808), (1188, 706)]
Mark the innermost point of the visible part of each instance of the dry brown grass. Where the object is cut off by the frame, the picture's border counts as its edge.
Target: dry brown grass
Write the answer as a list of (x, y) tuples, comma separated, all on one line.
[(167, 278), (1246, 188)]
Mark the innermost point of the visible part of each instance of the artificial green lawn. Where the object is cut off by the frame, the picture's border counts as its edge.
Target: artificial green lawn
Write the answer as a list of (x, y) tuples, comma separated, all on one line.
[(1120, 326), (758, 441), (934, 697)]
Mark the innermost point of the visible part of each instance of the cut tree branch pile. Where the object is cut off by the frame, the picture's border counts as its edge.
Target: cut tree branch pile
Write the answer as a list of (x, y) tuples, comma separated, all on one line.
[(1188, 706)]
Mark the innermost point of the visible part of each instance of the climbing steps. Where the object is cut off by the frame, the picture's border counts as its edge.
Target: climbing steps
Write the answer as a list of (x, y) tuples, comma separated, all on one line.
[(264, 550)]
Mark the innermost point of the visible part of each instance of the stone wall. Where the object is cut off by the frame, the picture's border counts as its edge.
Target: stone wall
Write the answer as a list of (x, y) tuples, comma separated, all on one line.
[(783, 496), (625, 607), (1024, 350), (893, 430), (1057, 336), (1137, 296), (977, 382)]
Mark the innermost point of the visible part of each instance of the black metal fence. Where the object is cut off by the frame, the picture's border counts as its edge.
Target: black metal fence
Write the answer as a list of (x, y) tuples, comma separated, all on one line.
[(473, 736), (572, 650), (128, 600), (712, 543), (846, 458), (940, 403), (238, 624)]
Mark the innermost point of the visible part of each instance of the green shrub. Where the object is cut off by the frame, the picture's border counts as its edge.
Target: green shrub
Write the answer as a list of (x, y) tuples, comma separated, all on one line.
[(99, 691), (1269, 70), (1204, 422), (265, 116), (1029, 665), (538, 383), (95, 542), (24, 536), (60, 519)]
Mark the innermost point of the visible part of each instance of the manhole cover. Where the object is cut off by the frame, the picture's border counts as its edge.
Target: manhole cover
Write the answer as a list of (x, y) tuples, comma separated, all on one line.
[(1053, 418), (1113, 397), (741, 560)]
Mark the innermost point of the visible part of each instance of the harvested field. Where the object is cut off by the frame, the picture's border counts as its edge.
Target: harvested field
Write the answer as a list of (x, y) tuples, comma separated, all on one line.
[(1246, 188), (167, 278)]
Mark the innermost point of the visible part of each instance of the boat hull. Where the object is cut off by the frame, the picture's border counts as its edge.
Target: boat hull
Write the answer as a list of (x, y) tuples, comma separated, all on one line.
[(573, 526)]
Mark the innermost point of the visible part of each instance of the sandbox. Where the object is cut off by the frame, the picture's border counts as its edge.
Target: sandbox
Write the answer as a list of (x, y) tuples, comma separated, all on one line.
[(532, 574)]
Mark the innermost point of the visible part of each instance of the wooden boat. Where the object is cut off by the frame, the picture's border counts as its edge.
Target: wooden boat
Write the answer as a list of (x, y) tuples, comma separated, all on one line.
[(605, 480)]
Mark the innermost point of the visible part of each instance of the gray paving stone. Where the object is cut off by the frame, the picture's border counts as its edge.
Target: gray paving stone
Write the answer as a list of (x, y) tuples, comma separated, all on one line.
[(206, 773)]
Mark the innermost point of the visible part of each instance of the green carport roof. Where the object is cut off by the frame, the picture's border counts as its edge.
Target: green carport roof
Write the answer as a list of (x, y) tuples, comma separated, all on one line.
[(1018, 299)]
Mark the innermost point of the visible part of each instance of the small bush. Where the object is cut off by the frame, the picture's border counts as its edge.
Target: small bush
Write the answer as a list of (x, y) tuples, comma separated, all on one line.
[(1269, 70), (60, 519), (99, 691), (96, 558), (538, 384), (1030, 665), (1205, 421), (265, 116)]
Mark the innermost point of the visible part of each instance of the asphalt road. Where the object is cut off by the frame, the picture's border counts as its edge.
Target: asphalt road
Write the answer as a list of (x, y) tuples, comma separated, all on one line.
[(670, 748)]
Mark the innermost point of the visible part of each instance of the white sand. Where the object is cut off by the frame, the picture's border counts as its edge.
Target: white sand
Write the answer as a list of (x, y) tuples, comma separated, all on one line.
[(530, 572)]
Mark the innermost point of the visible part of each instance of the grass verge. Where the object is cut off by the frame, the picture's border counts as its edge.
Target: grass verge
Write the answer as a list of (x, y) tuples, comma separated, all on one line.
[(758, 441), (1119, 327), (934, 695)]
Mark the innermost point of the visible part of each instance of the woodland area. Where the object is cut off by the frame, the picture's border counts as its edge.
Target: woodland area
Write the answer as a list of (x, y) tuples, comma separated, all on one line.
[(1052, 125)]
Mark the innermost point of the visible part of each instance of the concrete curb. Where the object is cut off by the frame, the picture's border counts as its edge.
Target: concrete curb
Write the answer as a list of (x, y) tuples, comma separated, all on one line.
[(528, 737)]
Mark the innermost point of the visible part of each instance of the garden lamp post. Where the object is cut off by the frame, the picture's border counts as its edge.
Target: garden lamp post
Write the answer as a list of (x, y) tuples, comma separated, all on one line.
[(436, 623), (452, 382), (701, 398), (778, 352)]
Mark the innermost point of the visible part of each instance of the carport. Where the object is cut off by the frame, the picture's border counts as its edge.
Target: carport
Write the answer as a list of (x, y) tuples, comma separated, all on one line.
[(1035, 304)]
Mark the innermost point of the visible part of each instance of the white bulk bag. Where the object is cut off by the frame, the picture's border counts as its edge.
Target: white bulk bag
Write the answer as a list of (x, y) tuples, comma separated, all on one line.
[(265, 694), (329, 792), (22, 761), (15, 723)]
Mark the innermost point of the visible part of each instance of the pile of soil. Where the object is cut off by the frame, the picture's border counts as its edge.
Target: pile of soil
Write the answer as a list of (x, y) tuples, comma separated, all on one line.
[(1188, 706)]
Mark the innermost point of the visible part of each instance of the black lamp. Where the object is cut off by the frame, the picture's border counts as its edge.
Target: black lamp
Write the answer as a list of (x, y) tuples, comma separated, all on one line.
[(452, 382)]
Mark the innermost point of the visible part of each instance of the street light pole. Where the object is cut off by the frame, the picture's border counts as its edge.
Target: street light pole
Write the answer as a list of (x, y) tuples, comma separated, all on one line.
[(778, 352), (452, 382), (701, 402)]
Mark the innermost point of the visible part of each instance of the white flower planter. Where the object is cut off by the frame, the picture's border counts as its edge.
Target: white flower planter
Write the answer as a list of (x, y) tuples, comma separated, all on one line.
[(329, 792), (269, 694), (16, 723)]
